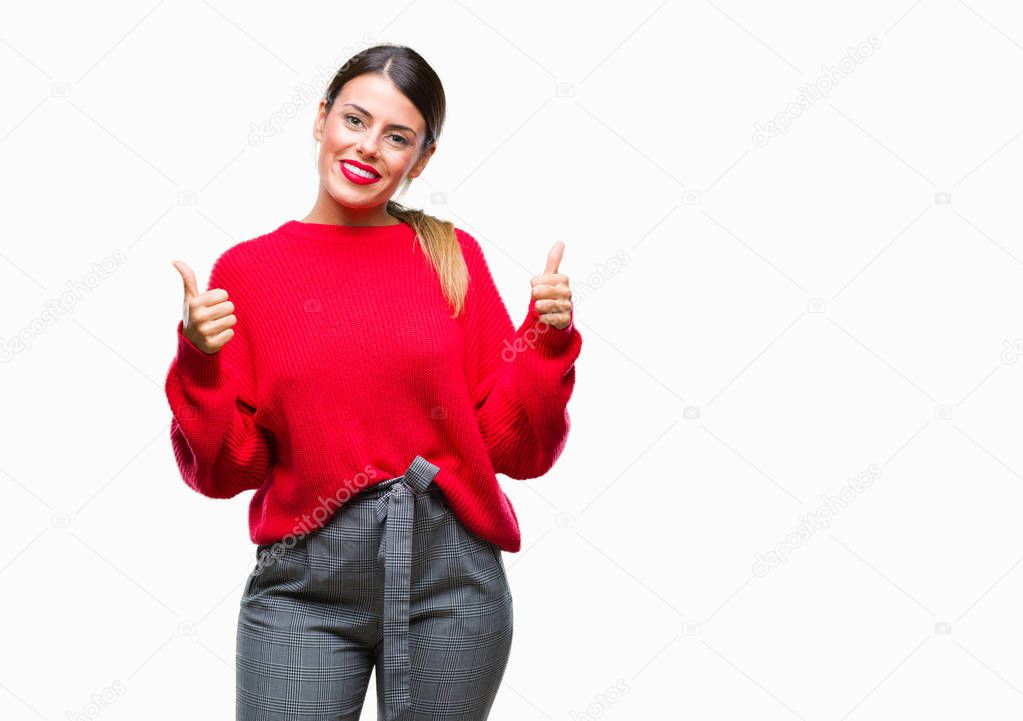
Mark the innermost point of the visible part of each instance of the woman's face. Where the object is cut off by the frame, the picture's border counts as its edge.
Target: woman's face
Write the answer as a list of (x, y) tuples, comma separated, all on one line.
[(373, 124)]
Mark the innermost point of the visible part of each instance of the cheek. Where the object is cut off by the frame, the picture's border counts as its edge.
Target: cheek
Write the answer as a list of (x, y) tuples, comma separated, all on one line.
[(401, 165), (334, 140), (396, 164)]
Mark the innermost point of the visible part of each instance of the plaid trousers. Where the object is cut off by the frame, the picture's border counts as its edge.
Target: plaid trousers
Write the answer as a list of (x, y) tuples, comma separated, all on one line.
[(393, 580)]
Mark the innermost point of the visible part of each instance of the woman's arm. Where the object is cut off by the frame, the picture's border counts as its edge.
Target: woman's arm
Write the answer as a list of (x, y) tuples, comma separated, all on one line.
[(219, 448), (521, 379)]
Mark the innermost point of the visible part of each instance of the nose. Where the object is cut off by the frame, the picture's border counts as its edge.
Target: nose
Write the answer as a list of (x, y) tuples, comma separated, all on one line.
[(367, 145)]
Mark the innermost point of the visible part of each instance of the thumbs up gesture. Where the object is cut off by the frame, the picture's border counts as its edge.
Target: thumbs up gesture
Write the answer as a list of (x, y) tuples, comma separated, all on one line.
[(551, 292), (207, 317)]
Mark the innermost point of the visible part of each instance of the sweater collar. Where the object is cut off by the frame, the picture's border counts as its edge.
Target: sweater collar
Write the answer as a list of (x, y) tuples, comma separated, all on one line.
[(347, 233)]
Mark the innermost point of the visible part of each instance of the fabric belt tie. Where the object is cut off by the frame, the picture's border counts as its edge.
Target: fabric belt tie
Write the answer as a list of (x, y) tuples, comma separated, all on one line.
[(397, 505)]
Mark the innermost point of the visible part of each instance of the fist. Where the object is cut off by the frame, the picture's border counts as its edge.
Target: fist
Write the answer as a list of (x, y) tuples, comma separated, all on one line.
[(551, 292), (207, 317)]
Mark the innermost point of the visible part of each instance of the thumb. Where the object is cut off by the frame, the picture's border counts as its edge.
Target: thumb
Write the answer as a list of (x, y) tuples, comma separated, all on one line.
[(554, 257), (188, 278)]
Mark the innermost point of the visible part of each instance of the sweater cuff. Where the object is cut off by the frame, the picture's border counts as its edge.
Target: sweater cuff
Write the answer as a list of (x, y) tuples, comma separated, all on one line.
[(549, 341), (202, 367)]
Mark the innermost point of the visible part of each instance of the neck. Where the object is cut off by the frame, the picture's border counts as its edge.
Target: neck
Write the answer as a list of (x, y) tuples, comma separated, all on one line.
[(329, 211)]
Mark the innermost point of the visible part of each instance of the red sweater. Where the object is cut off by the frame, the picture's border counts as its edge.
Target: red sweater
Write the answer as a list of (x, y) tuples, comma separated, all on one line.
[(345, 364)]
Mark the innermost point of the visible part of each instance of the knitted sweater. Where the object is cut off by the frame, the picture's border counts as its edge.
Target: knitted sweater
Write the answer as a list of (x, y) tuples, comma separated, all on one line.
[(345, 364)]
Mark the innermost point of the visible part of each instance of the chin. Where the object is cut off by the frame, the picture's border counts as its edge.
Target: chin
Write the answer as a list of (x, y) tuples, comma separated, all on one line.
[(341, 199)]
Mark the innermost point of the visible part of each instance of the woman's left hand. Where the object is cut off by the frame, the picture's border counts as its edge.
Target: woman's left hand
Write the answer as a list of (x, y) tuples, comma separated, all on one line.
[(551, 292)]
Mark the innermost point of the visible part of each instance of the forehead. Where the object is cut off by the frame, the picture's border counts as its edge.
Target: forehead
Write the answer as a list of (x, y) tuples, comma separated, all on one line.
[(382, 99)]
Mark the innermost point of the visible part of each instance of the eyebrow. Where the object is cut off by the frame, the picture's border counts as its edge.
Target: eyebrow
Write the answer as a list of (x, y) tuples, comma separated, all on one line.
[(370, 115)]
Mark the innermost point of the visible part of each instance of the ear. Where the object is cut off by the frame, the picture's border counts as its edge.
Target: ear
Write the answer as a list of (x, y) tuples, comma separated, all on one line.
[(420, 164), (318, 123)]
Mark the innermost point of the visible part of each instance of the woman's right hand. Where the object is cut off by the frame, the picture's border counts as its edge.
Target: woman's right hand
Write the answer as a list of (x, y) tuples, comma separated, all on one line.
[(207, 317)]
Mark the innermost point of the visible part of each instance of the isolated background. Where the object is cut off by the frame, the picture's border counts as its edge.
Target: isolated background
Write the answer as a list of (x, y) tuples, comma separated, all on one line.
[(762, 322)]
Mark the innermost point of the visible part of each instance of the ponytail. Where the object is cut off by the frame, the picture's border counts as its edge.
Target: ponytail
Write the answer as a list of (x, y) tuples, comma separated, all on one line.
[(440, 244)]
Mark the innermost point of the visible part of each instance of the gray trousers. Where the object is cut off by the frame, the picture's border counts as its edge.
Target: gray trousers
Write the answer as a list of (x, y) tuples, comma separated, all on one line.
[(393, 580)]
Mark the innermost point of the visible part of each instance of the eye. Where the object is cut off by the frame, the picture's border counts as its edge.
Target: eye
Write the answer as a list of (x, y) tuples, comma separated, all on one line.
[(400, 139), (352, 118)]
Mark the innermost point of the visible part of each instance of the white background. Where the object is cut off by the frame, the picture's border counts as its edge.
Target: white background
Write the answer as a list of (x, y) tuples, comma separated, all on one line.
[(788, 315)]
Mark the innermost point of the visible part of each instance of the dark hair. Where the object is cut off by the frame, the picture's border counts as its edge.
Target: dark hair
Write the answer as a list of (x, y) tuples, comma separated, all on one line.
[(417, 81), (410, 73)]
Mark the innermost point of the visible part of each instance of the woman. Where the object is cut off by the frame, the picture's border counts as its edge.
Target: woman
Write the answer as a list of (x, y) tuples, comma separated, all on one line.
[(369, 389)]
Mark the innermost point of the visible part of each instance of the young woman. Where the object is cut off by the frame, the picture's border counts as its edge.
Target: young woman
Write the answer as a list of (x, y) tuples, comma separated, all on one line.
[(359, 370)]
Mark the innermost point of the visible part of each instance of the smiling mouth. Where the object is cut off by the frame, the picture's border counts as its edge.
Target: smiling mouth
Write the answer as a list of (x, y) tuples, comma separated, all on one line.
[(369, 175)]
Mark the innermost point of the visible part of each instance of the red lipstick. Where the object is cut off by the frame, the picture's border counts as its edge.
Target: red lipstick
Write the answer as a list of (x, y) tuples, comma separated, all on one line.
[(357, 177)]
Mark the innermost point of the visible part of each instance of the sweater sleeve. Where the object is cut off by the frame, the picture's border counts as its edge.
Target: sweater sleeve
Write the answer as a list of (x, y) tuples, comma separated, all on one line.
[(219, 448), (521, 378)]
